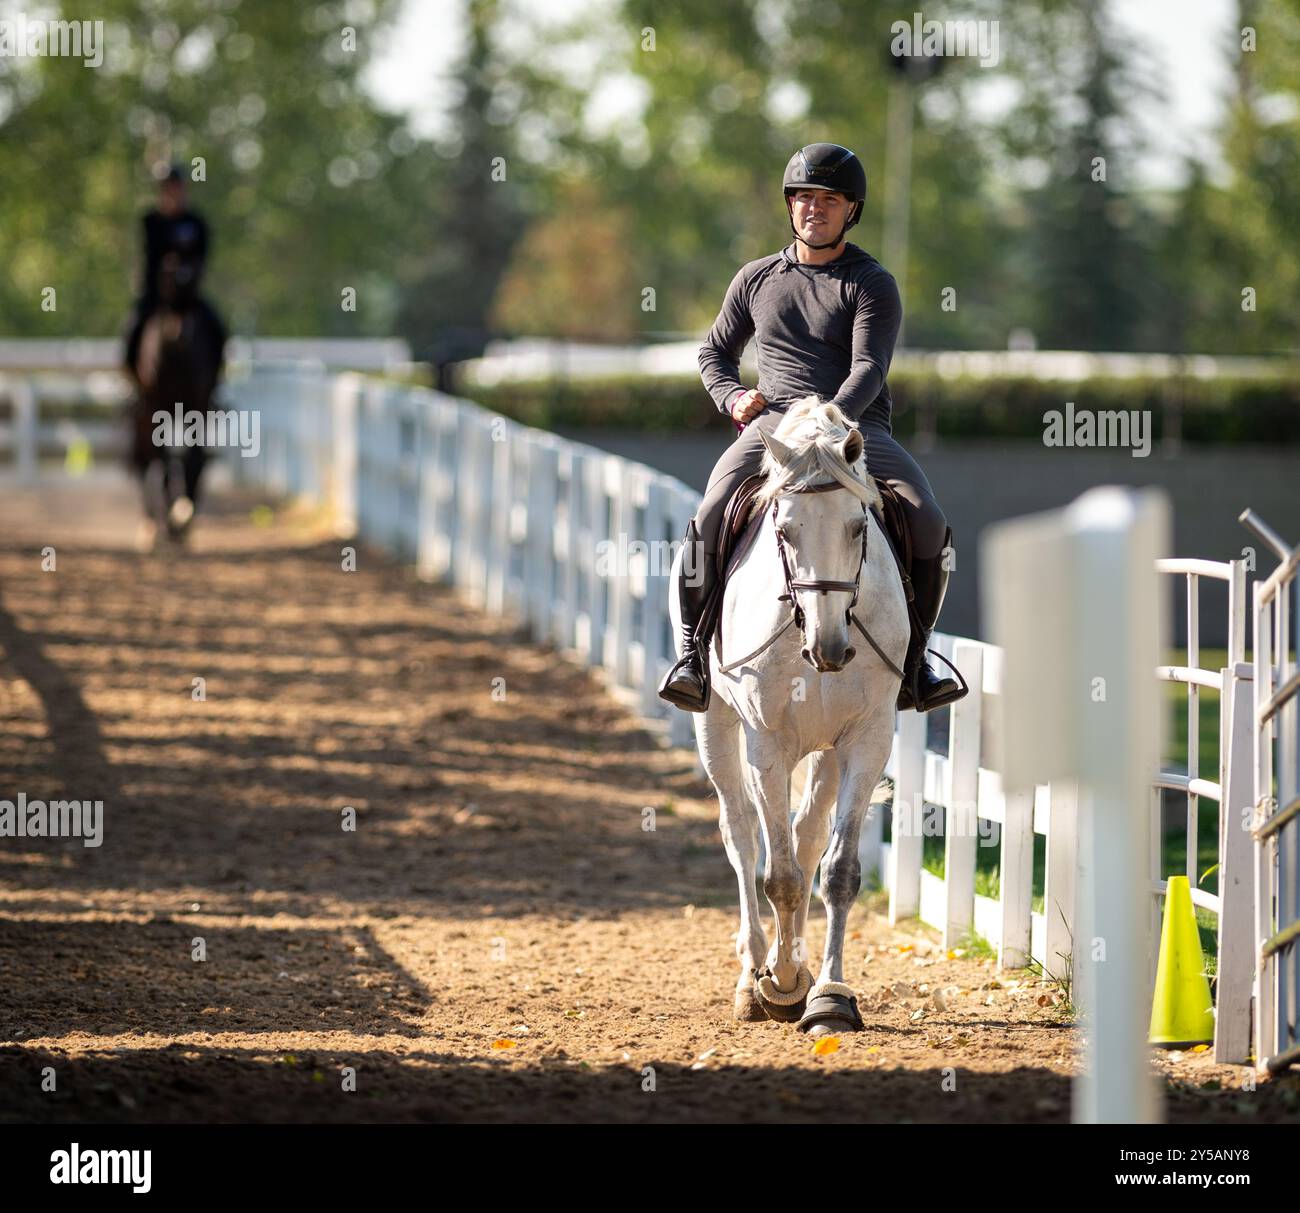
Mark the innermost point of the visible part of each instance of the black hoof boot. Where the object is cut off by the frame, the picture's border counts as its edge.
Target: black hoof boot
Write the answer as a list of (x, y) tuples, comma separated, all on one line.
[(831, 1010)]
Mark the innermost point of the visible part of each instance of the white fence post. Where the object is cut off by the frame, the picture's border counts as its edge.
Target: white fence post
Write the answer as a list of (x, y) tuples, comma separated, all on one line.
[(1072, 596), (908, 819), (593, 528), (22, 394), (1017, 869), (961, 837), (618, 628), (539, 552), (1060, 889), (572, 536), (343, 407), (433, 535), (474, 467), (1236, 968)]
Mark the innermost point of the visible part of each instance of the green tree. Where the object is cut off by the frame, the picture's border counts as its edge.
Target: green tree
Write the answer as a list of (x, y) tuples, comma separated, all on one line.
[(465, 238)]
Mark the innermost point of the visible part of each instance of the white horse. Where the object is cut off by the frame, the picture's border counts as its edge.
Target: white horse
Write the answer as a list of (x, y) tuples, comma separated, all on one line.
[(797, 691)]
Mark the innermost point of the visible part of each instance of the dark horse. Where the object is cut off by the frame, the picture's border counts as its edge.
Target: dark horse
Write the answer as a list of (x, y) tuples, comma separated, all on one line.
[(182, 348)]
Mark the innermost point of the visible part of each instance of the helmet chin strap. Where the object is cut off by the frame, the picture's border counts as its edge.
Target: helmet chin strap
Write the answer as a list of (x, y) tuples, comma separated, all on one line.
[(789, 208)]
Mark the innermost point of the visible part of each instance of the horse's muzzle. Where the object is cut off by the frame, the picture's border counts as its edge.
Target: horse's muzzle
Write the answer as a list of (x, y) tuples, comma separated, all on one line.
[(828, 660)]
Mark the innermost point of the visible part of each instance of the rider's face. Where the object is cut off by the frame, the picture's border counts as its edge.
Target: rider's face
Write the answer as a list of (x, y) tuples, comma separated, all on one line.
[(819, 214), (172, 197)]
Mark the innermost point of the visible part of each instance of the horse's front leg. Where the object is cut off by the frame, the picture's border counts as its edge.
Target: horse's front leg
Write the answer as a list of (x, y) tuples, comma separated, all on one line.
[(782, 987), (812, 829), (718, 733), (832, 1005)]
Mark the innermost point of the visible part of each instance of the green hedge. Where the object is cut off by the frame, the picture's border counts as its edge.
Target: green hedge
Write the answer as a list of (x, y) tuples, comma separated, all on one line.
[(1223, 409)]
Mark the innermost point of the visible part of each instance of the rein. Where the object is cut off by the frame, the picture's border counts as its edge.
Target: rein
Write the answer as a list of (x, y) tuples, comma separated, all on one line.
[(820, 584)]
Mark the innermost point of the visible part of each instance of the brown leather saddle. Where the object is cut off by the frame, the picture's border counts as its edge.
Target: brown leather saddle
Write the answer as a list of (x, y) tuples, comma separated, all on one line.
[(740, 526)]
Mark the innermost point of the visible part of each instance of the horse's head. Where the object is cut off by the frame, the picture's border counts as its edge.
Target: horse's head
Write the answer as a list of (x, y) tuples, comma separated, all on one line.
[(813, 452)]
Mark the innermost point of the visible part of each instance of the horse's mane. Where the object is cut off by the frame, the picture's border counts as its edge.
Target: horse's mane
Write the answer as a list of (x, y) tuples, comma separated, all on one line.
[(815, 432)]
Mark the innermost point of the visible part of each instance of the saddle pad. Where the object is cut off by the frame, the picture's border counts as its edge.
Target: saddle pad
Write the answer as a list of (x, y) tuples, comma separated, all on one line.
[(739, 526)]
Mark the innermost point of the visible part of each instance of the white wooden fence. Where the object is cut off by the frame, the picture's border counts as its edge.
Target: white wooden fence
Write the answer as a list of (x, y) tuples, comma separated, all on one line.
[(959, 778)]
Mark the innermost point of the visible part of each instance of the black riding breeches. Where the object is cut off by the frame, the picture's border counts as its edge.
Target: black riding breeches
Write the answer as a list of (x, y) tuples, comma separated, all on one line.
[(886, 461)]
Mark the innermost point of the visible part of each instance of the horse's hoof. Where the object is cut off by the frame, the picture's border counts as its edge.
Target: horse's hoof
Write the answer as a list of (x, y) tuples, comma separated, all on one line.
[(831, 1011), (748, 1007), (785, 1006)]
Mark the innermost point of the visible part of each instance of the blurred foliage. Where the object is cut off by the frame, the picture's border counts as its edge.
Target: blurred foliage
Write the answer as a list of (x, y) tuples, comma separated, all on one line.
[(1262, 409), (572, 267), (308, 188), (605, 178)]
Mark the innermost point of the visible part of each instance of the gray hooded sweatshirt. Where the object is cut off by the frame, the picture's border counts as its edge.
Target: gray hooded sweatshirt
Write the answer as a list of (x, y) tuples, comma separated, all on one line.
[(826, 329)]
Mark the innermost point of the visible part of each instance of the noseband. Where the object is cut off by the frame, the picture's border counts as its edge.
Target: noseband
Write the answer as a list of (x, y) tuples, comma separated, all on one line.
[(821, 584)]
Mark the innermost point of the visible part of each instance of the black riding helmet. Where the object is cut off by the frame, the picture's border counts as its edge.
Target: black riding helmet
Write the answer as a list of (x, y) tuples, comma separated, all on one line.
[(826, 166)]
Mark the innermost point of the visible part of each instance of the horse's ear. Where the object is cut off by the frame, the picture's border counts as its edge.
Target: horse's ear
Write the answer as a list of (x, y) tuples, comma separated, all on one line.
[(852, 448), (776, 448)]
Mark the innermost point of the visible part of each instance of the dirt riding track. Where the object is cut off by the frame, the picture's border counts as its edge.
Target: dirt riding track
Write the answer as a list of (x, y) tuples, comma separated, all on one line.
[(499, 886)]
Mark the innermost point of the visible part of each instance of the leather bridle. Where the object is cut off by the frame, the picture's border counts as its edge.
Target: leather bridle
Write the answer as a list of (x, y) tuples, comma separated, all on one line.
[(822, 585)]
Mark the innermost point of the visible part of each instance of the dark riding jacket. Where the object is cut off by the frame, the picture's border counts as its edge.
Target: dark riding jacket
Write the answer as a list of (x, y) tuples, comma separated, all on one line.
[(827, 330), (186, 234)]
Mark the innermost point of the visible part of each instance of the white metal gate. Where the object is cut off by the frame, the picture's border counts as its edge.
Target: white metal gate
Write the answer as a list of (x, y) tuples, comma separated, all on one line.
[(1234, 903), (1276, 825)]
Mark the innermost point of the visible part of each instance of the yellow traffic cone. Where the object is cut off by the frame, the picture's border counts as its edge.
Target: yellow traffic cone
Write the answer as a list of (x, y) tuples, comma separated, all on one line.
[(1183, 1011)]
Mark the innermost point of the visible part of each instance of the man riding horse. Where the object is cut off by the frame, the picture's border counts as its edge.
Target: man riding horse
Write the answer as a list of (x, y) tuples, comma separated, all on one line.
[(825, 315), (171, 230), (174, 352)]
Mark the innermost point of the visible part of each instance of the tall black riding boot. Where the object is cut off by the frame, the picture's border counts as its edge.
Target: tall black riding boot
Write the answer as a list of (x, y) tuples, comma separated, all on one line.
[(686, 685), (922, 688)]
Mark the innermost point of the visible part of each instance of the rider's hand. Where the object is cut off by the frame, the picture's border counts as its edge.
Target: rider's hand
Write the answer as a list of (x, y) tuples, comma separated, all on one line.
[(747, 406)]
